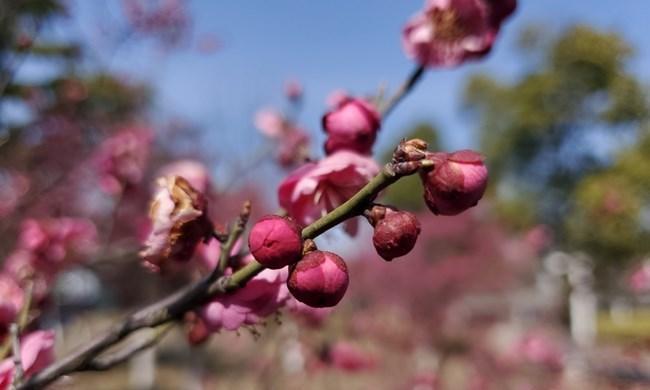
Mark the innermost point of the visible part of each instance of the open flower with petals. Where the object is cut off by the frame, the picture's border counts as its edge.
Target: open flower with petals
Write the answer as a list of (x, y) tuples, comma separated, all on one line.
[(260, 297), (449, 32), (316, 188), (179, 217), (36, 353)]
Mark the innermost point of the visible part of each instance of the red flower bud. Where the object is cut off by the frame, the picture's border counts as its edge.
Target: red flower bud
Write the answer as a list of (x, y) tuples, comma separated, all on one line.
[(275, 241), (320, 279), (353, 125), (396, 234), (456, 183)]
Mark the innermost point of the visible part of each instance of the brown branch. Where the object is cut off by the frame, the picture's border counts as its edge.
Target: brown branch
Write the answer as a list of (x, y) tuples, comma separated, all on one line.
[(103, 363), (403, 90)]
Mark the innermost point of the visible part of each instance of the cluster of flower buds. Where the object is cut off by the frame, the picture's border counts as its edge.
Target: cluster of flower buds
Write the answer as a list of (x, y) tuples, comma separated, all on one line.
[(317, 279)]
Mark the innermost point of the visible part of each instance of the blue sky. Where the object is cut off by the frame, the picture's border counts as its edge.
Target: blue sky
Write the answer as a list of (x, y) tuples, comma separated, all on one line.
[(327, 45)]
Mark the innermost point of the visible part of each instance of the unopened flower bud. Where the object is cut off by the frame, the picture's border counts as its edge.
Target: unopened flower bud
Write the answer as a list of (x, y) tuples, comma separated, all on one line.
[(456, 183), (320, 279), (411, 150), (275, 241), (353, 125), (396, 234)]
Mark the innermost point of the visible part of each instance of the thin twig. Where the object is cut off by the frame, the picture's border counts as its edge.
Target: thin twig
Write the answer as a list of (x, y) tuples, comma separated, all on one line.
[(234, 235), (403, 90), (15, 350)]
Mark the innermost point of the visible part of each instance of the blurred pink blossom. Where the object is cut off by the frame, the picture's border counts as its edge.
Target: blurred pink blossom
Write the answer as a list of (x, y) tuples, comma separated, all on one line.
[(56, 243), (260, 297), (336, 97), (316, 188), (270, 122), (208, 254), (639, 280), (13, 186), (348, 357), (166, 18), (312, 316), (121, 159), (36, 353), (293, 90), (538, 348), (11, 300), (449, 32)]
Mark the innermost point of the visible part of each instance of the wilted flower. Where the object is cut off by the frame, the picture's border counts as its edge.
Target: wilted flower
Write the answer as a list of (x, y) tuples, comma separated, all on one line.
[(320, 279), (316, 188), (121, 159), (449, 32), (179, 217), (36, 353), (260, 297), (194, 172), (456, 183), (352, 125)]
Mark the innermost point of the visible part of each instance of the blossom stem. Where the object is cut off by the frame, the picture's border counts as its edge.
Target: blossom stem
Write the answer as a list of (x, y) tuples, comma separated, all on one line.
[(176, 305), (403, 90)]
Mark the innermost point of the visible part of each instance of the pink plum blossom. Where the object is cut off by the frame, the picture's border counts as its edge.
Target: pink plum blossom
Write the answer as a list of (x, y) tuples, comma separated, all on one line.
[(36, 353), (208, 254), (316, 188), (121, 159), (179, 217), (538, 348), (352, 125), (260, 297), (449, 32)]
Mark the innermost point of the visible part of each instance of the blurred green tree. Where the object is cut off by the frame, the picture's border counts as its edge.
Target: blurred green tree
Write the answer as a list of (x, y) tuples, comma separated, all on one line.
[(565, 141)]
